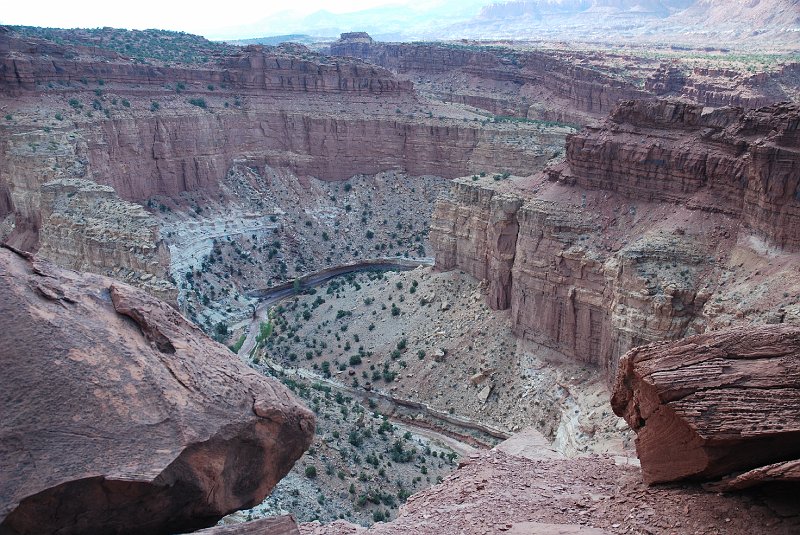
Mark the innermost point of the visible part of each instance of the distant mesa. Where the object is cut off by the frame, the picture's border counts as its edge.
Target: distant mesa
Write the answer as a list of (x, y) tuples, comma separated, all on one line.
[(355, 37)]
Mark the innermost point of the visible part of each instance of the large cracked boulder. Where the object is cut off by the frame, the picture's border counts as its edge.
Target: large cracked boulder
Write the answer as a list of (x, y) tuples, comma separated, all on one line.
[(119, 416), (719, 403)]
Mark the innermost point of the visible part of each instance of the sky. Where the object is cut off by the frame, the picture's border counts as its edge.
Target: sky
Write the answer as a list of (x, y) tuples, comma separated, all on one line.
[(192, 17)]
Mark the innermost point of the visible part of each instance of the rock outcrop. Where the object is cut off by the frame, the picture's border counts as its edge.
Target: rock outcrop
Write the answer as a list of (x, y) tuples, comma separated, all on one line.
[(723, 87), (716, 403), (574, 91), (26, 63), (564, 85), (87, 227), (609, 250), (748, 162), (505, 492), (476, 231), (124, 414), (168, 155), (569, 284), (159, 130)]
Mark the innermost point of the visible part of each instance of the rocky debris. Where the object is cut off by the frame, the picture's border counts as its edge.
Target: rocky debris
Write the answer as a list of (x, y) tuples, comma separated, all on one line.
[(713, 404), (481, 376), (784, 472), (139, 423), (87, 227), (485, 392), (531, 444), (276, 525), (495, 492)]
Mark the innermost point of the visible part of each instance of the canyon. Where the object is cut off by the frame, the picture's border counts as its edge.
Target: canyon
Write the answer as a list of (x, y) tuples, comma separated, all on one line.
[(583, 224)]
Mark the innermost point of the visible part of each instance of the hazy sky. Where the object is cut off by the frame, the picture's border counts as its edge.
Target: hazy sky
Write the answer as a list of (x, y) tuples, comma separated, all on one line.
[(194, 17)]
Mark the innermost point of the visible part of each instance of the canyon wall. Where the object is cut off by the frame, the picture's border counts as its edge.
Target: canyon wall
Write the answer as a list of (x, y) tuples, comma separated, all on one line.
[(718, 87), (624, 242), (26, 63), (574, 92), (87, 227), (87, 114), (166, 155), (747, 162), (566, 85)]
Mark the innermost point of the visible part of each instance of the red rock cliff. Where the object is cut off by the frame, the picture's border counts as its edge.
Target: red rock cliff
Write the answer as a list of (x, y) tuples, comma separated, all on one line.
[(575, 92), (625, 243), (26, 63), (748, 162)]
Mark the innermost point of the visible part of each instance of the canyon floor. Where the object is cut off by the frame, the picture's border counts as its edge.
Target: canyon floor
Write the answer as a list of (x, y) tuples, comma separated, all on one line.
[(426, 337)]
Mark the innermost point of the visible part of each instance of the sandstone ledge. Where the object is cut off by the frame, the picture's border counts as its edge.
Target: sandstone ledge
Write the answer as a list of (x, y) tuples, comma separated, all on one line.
[(712, 404)]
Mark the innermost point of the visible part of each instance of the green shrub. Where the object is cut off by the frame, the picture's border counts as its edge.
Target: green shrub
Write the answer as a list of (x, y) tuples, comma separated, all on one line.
[(199, 102), (311, 471), (239, 343)]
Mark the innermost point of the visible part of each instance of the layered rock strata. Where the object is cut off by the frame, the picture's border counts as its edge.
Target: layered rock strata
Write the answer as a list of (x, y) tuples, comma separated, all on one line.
[(716, 403), (581, 91), (125, 414), (724, 87), (28, 62), (87, 227), (594, 282), (155, 130), (552, 264), (566, 85), (748, 162)]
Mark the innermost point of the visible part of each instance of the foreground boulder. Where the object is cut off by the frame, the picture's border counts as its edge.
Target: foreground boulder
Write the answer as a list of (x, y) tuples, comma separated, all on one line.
[(119, 416), (720, 402)]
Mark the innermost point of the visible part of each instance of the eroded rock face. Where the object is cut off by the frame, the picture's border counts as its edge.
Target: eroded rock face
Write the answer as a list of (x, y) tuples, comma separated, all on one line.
[(581, 93), (716, 403), (626, 242), (568, 284), (165, 156), (569, 86), (28, 61), (87, 227), (722, 87), (120, 416), (749, 162)]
